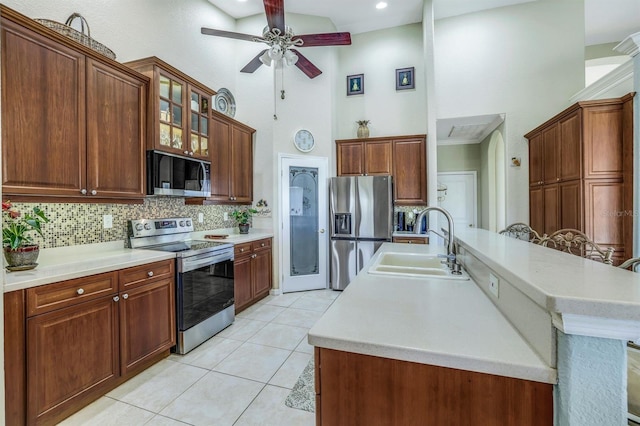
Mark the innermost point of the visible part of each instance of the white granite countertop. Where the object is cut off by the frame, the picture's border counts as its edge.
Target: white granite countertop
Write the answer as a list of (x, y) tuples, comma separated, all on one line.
[(65, 263), (557, 281), (429, 321), (234, 235)]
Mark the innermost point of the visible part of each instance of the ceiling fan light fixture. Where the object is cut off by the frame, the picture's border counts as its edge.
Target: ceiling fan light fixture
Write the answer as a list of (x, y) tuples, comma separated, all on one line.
[(290, 58), (275, 52), (265, 58), (381, 5)]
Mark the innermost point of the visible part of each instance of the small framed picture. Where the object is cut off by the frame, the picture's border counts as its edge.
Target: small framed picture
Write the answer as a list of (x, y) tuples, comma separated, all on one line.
[(405, 78), (355, 84)]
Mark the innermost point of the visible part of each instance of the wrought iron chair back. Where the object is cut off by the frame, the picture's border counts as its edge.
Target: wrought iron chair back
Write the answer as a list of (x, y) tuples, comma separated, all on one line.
[(576, 242), (522, 231)]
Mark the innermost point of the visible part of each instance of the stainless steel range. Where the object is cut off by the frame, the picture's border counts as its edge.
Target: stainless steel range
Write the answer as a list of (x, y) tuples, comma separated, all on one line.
[(204, 277)]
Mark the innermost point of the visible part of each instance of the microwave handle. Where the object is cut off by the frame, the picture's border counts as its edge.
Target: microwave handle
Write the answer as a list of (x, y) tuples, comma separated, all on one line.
[(203, 179)]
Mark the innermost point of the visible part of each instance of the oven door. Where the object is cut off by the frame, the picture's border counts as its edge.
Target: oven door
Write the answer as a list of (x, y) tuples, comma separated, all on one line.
[(204, 288)]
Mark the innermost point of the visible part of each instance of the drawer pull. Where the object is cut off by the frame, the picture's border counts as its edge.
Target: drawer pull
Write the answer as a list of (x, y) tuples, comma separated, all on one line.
[(262, 245), (80, 291), (241, 250), (150, 273), (116, 298), (125, 296)]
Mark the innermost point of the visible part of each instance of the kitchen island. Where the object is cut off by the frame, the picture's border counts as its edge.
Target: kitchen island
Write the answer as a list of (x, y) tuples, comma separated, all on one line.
[(462, 329)]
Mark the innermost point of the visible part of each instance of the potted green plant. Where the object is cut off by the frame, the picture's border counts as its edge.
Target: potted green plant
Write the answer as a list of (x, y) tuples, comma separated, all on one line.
[(243, 217), (19, 250)]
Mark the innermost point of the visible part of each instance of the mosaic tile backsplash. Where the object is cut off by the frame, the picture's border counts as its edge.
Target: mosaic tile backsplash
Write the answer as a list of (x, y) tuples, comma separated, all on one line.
[(74, 224)]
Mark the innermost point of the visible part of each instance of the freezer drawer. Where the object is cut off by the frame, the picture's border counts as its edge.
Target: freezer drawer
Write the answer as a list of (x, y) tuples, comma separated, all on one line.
[(343, 263)]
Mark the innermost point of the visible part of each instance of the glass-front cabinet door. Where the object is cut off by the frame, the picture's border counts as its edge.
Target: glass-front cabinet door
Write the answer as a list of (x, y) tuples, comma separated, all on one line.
[(171, 113), (199, 125)]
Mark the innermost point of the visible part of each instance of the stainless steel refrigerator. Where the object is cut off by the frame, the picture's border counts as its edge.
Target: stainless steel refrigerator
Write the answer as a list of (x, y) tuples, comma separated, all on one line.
[(361, 216)]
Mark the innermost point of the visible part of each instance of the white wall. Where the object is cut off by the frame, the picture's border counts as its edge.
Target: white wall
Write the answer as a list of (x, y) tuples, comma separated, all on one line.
[(525, 60), (377, 55)]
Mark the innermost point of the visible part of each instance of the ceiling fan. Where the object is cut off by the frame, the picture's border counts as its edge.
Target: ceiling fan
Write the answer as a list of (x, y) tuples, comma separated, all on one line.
[(282, 41)]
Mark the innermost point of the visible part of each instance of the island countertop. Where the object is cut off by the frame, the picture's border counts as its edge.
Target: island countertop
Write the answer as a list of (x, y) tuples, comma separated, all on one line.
[(425, 320)]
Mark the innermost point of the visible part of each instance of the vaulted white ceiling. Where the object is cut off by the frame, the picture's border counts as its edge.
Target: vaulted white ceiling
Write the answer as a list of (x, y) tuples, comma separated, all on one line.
[(606, 21)]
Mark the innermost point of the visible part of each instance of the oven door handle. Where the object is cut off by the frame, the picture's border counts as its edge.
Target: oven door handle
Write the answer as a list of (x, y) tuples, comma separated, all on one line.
[(190, 265)]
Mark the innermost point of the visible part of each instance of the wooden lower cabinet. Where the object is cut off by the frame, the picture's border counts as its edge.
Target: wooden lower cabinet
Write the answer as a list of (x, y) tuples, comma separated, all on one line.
[(252, 270), (72, 354), (354, 389), (73, 341)]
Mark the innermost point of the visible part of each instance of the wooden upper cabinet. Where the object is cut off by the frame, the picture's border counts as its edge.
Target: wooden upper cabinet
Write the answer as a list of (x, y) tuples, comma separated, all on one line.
[(403, 157), (550, 155), (231, 158), (179, 110), (73, 120), (115, 104), (43, 114), (365, 158), (241, 161), (603, 147), (350, 158), (535, 160), (410, 171), (570, 145)]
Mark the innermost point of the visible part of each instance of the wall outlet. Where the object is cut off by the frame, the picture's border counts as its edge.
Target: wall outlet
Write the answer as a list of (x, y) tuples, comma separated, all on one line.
[(494, 285), (225, 216), (107, 221), (200, 217)]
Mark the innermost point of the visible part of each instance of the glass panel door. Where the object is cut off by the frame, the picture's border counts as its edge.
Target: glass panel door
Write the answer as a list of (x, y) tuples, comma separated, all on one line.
[(199, 140), (171, 113), (303, 217)]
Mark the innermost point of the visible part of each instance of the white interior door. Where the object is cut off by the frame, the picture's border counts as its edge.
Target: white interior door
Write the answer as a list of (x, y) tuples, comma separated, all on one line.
[(303, 218), (460, 198)]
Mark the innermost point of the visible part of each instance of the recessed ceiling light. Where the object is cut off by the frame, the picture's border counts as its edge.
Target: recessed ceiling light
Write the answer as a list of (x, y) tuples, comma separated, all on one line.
[(381, 5)]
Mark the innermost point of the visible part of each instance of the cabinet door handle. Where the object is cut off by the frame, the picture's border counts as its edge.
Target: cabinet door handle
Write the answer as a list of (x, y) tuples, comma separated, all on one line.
[(150, 273), (262, 245), (254, 256), (186, 153), (241, 250), (80, 291), (94, 192), (191, 153), (83, 191), (116, 298), (125, 296)]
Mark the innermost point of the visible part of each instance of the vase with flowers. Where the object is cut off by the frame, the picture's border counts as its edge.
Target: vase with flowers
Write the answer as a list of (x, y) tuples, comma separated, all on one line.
[(19, 250), (242, 217)]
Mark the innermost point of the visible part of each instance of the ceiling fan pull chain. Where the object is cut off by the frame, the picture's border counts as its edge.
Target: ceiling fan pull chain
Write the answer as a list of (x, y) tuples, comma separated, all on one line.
[(275, 104), (282, 91)]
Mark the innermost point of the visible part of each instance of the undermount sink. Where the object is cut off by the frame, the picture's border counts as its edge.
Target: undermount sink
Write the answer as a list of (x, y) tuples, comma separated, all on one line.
[(414, 265)]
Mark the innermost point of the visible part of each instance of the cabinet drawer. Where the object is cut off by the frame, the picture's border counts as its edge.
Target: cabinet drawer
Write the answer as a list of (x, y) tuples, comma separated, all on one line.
[(261, 244), (50, 297), (242, 249), (138, 275)]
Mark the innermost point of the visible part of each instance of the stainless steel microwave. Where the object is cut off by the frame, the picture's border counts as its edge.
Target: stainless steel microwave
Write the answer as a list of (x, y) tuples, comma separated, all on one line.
[(177, 176)]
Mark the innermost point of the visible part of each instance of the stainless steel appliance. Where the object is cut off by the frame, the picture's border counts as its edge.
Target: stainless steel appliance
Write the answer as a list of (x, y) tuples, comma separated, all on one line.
[(169, 174), (204, 277), (361, 215)]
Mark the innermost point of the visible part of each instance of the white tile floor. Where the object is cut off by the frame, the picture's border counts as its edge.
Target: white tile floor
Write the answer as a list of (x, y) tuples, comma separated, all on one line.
[(241, 376)]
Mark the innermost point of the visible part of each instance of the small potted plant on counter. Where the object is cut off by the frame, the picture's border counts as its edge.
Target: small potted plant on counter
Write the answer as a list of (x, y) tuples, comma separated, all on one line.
[(19, 250), (242, 217)]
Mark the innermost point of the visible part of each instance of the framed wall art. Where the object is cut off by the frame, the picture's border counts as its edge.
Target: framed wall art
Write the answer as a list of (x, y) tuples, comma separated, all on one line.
[(405, 78), (355, 84)]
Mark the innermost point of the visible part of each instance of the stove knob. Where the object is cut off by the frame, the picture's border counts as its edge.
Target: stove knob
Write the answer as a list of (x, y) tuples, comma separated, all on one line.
[(139, 227), (181, 223), (147, 226), (188, 223)]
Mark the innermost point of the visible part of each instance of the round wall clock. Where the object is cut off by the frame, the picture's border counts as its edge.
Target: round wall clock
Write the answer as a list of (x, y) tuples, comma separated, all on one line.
[(303, 140)]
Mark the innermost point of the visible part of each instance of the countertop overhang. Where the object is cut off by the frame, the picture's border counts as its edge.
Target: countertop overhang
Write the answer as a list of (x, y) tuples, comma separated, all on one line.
[(430, 321)]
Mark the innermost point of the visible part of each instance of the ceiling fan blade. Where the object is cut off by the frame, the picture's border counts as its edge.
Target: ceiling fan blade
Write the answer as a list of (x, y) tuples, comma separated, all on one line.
[(326, 39), (254, 64), (306, 66), (274, 10), (230, 34)]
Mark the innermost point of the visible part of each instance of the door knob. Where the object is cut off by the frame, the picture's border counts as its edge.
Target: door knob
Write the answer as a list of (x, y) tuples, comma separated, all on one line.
[(321, 231), (116, 298)]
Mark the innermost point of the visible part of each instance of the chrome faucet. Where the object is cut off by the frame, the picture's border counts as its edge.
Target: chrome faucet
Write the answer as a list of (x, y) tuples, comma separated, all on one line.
[(451, 253)]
